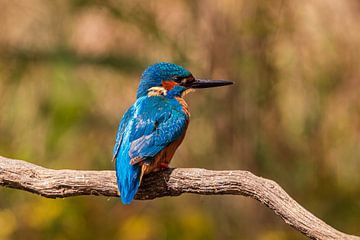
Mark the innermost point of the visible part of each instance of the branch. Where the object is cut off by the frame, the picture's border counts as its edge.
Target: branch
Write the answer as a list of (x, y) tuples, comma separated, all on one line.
[(172, 182)]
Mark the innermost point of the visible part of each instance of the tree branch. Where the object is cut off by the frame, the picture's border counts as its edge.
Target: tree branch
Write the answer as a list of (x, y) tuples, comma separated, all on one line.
[(172, 182)]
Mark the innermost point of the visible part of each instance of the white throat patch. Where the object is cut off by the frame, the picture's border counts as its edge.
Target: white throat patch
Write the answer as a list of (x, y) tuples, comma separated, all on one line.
[(157, 91)]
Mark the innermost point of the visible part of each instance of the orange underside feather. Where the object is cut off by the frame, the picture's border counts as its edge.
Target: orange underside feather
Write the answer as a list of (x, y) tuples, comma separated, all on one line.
[(164, 156)]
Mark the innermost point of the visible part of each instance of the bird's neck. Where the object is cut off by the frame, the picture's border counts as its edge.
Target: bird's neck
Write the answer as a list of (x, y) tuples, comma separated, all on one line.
[(161, 91), (184, 105)]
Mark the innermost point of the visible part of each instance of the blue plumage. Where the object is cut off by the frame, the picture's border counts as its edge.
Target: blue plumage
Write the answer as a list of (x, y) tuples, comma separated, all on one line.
[(154, 126), (147, 131), (156, 73), (150, 125)]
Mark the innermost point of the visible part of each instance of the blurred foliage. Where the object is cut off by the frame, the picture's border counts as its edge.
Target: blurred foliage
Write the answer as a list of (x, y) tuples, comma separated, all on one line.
[(69, 69)]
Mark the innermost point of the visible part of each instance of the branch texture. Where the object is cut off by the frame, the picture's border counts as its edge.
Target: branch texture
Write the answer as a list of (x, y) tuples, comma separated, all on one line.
[(172, 182)]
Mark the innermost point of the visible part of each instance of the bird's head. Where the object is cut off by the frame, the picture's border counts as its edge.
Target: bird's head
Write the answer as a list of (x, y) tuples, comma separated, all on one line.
[(172, 79)]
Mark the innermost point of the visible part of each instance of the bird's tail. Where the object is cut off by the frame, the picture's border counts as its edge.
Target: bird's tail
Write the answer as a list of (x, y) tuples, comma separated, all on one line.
[(128, 179)]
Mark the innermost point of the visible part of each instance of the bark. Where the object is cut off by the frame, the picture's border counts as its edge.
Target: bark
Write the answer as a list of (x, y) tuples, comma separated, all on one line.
[(172, 182)]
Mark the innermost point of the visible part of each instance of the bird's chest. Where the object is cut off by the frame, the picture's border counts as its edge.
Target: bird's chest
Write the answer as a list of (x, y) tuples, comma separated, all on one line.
[(164, 156)]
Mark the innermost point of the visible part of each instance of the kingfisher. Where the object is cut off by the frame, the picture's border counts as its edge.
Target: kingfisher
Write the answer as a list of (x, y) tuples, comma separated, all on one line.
[(152, 129)]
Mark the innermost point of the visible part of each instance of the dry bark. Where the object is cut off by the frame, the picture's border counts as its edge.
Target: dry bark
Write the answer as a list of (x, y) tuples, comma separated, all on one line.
[(172, 182)]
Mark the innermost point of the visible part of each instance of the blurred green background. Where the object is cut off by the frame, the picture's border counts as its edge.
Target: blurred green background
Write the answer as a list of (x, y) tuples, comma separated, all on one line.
[(69, 69)]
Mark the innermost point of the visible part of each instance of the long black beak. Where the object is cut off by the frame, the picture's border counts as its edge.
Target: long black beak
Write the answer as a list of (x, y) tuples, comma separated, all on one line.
[(202, 83)]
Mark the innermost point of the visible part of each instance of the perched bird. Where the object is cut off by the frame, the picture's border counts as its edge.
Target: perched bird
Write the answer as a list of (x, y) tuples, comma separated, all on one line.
[(154, 126)]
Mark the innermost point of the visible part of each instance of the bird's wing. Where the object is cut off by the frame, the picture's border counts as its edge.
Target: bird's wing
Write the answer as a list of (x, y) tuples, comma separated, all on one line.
[(148, 127), (119, 135), (161, 128)]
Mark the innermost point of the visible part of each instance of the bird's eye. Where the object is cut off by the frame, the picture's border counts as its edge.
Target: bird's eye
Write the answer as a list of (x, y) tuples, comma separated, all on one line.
[(177, 79)]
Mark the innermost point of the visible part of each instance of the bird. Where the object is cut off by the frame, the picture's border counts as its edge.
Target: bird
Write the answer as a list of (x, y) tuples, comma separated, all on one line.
[(152, 129)]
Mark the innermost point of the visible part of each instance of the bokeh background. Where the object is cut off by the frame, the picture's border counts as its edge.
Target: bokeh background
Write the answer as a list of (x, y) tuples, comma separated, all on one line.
[(69, 69)]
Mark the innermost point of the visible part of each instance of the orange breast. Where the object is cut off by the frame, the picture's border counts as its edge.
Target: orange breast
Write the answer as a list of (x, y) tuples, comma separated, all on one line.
[(165, 155), (168, 152)]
